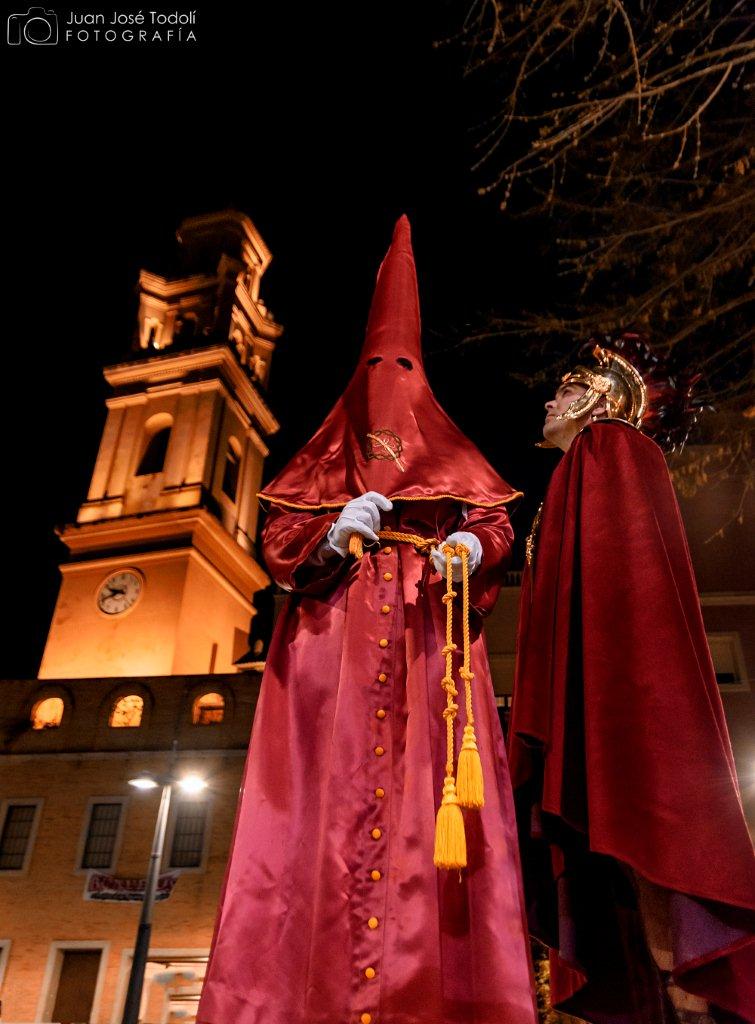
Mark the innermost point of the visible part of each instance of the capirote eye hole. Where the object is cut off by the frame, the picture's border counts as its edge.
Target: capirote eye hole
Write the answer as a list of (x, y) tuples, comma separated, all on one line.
[(374, 360), (406, 363)]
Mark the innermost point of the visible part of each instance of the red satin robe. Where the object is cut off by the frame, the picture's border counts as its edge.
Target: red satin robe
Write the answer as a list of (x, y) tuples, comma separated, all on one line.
[(619, 751), (313, 897)]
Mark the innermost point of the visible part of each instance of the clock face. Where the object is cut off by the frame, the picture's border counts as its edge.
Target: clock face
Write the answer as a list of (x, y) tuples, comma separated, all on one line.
[(119, 592)]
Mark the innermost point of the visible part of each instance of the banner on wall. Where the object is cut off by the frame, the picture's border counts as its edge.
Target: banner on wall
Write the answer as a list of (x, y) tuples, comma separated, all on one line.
[(110, 888)]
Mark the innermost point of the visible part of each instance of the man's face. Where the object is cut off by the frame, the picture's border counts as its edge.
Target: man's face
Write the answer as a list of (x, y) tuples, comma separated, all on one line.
[(562, 432)]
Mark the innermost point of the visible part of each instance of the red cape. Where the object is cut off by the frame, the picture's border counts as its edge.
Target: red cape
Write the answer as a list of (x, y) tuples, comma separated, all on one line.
[(618, 742)]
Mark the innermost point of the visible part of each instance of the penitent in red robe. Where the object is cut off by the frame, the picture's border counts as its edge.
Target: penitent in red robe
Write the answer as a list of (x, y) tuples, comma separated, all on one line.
[(333, 911), (619, 750), (313, 898)]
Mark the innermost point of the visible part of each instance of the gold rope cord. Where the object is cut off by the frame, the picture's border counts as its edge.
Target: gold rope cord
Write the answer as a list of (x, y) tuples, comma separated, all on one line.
[(450, 840), (465, 789), (422, 544)]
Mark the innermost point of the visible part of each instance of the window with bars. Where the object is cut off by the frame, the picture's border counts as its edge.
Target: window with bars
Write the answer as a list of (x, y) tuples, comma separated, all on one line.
[(16, 835), (189, 827), (102, 835)]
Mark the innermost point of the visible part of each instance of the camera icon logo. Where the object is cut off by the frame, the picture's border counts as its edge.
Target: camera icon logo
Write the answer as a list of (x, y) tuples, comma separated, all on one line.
[(37, 27)]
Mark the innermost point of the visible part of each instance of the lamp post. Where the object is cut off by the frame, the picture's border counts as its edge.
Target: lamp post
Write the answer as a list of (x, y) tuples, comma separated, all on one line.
[(190, 784)]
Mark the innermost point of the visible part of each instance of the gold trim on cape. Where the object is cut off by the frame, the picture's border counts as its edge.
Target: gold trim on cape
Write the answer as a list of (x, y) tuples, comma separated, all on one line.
[(394, 497)]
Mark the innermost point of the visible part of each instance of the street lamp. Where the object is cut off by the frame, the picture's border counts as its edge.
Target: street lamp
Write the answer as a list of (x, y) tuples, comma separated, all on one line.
[(191, 783)]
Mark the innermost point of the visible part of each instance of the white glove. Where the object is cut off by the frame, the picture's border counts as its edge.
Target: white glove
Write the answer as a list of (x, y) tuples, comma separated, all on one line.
[(360, 515), (475, 554)]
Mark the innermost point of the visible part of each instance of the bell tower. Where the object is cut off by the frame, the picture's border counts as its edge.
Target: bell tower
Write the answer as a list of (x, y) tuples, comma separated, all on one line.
[(162, 565)]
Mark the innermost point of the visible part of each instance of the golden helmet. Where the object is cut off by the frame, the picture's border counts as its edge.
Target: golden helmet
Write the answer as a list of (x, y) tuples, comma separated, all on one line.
[(638, 386), (613, 380)]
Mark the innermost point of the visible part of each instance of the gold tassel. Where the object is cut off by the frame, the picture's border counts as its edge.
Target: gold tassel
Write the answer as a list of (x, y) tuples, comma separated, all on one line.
[(469, 787), (356, 546), (450, 840)]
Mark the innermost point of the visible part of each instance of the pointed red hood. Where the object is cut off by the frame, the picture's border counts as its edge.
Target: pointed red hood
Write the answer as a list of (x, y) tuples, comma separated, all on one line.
[(387, 432)]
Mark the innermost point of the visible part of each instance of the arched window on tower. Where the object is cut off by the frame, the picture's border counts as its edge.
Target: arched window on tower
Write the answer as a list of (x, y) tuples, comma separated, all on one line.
[(157, 436), (47, 713), (231, 468), (127, 712), (208, 709)]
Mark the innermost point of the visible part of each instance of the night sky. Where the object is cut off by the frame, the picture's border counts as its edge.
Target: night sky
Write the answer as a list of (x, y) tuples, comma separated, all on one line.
[(324, 124)]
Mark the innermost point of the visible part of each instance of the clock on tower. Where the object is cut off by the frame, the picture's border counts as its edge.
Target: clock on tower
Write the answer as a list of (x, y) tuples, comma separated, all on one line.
[(119, 592), (162, 564)]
